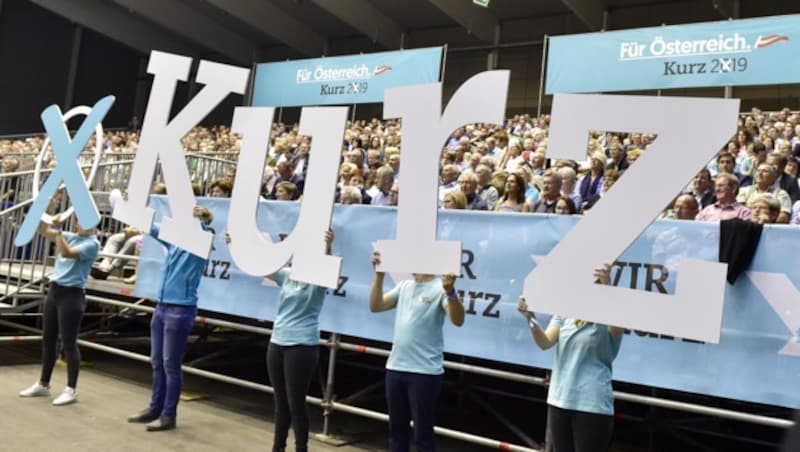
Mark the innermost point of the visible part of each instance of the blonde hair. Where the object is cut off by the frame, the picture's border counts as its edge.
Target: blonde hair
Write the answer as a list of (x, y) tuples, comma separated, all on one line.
[(458, 198)]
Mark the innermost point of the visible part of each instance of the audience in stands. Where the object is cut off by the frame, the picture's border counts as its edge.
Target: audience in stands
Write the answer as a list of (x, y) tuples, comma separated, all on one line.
[(496, 167)]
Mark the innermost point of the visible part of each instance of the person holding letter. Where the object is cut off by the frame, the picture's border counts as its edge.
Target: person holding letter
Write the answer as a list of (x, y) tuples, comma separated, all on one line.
[(170, 326), (64, 306), (580, 398), (293, 352), (415, 366)]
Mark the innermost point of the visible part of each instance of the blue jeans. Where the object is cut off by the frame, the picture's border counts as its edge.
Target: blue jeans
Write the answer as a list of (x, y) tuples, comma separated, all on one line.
[(169, 329), (412, 396)]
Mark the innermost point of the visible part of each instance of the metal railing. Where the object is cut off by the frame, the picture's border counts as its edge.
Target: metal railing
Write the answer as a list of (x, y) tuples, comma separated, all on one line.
[(330, 405), (114, 173), (22, 269)]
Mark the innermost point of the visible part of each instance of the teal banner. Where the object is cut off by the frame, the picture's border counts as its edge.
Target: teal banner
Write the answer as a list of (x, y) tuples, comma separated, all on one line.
[(761, 51), (352, 79), (756, 360)]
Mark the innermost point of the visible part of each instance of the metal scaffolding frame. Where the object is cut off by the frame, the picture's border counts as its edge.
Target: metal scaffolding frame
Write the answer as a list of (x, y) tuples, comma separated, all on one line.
[(330, 405)]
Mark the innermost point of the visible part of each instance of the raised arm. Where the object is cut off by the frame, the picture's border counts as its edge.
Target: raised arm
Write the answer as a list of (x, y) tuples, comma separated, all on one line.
[(545, 339), (328, 241), (56, 237), (454, 307), (603, 275), (46, 232), (378, 302)]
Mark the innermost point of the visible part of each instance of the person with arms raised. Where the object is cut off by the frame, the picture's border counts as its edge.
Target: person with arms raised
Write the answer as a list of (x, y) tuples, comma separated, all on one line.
[(414, 369)]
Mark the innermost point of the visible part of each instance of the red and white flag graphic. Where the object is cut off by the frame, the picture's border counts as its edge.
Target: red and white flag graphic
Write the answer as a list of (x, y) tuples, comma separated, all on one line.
[(381, 69), (764, 41)]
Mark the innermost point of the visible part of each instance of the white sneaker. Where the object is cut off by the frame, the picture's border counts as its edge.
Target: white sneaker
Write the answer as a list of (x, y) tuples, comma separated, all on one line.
[(66, 397), (36, 390)]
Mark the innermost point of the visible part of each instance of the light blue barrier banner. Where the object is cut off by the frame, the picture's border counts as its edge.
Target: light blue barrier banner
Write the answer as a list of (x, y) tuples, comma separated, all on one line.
[(353, 79), (759, 51), (498, 252)]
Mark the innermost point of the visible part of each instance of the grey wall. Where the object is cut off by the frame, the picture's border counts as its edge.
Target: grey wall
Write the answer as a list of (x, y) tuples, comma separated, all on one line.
[(36, 50)]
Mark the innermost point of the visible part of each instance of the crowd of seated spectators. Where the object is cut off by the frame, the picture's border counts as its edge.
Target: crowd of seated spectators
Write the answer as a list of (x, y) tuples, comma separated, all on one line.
[(501, 168)]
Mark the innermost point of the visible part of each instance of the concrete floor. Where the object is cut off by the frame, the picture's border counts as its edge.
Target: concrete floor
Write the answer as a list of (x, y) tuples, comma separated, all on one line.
[(110, 388), (97, 421)]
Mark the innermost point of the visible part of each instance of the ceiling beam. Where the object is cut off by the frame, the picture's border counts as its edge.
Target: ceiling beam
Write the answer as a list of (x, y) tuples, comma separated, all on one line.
[(590, 12), (119, 25), (728, 9), (194, 26), (366, 18), (476, 19), (263, 15)]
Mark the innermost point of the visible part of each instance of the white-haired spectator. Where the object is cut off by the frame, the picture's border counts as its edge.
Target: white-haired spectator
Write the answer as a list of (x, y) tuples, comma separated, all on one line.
[(512, 158), (569, 187), (449, 177), (766, 182), (486, 190), (537, 161), (384, 178), (488, 162), (356, 157), (592, 182), (551, 192), (468, 184), (764, 209), (350, 195)]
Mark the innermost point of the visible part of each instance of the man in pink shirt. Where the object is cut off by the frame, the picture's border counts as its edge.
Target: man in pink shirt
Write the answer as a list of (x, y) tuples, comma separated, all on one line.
[(725, 187)]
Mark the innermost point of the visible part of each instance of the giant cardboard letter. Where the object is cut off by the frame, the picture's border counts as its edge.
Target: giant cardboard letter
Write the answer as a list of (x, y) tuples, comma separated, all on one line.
[(562, 283), (161, 140), (482, 98), (251, 250)]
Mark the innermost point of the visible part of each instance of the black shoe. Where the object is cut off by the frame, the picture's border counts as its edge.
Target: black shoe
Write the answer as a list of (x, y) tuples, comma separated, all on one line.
[(143, 417), (99, 273), (161, 424)]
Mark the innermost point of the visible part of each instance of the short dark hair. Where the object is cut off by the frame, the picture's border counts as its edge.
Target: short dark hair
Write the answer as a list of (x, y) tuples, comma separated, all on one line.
[(724, 154)]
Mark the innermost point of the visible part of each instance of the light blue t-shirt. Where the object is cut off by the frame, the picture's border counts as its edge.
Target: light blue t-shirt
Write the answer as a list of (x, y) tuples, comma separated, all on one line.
[(297, 321), (581, 378), (75, 272), (418, 344)]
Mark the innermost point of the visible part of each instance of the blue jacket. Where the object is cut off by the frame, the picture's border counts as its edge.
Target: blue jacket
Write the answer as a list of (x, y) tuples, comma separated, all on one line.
[(181, 273)]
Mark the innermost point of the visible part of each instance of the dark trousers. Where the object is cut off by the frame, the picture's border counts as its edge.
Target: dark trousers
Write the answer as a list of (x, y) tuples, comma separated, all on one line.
[(169, 330), (63, 311), (791, 442), (290, 370), (578, 431), (412, 396)]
